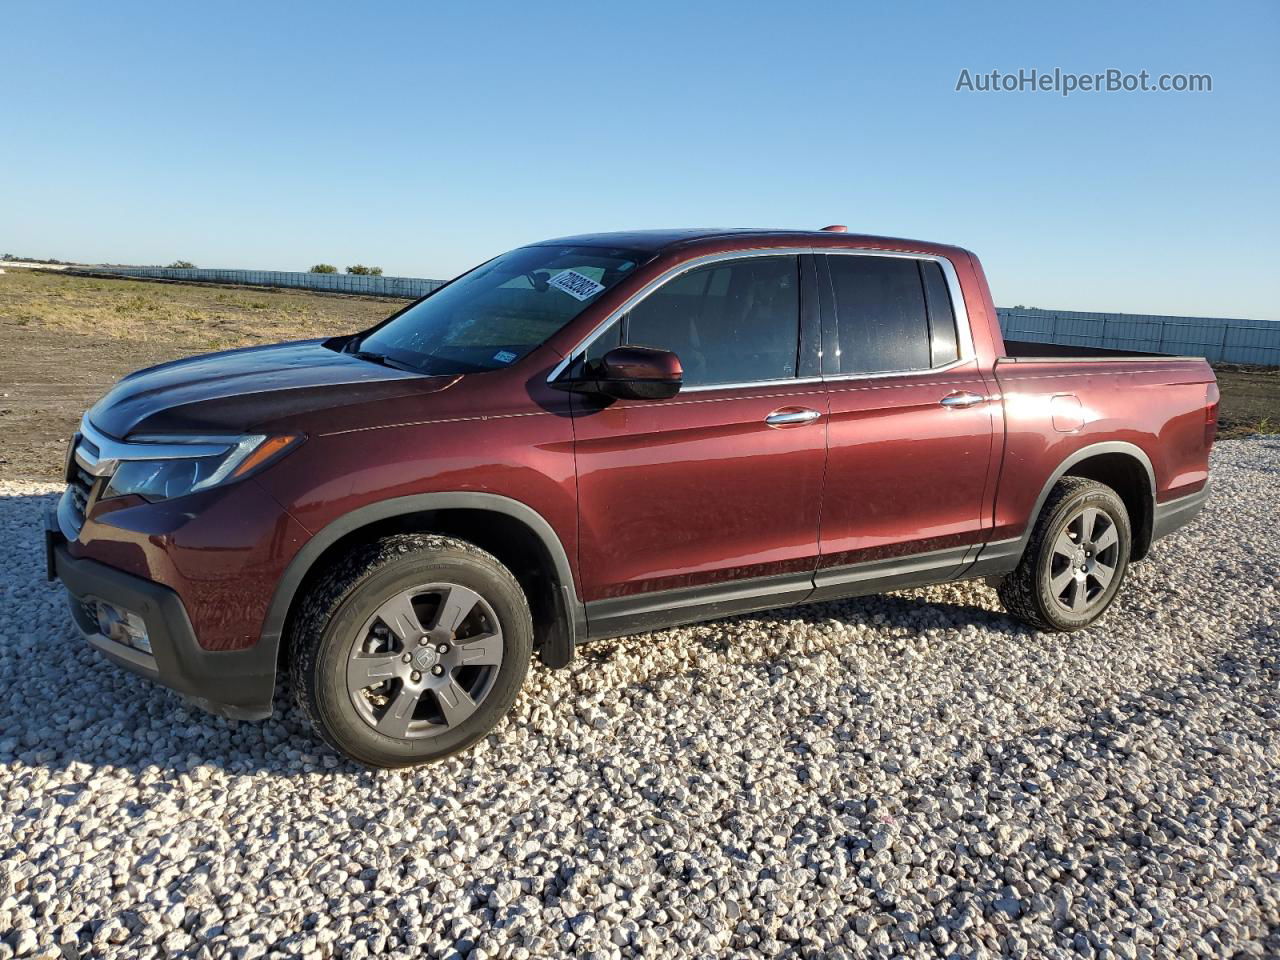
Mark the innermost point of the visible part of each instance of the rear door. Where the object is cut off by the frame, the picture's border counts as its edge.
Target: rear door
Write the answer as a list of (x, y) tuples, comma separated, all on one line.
[(911, 424), (709, 499)]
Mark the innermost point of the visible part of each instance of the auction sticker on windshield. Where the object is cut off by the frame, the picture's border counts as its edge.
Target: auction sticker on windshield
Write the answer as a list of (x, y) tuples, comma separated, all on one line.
[(575, 284)]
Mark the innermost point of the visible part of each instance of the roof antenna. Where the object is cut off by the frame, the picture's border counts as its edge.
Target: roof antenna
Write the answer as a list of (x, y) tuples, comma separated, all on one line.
[(835, 228)]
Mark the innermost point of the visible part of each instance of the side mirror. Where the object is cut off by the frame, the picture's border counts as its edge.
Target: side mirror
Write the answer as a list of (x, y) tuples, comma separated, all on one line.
[(632, 373)]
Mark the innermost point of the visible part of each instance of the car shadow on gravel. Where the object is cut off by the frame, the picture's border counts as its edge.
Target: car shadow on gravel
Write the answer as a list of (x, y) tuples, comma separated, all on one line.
[(120, 726), (877, 612), (125, 722), (121, 729)]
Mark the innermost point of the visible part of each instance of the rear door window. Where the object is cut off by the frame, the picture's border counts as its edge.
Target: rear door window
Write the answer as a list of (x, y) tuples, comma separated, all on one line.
[(882, 323)]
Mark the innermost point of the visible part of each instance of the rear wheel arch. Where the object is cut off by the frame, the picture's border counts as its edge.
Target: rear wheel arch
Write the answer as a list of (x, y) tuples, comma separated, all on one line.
[(1123, 466), (1134, 482), (515, 533)]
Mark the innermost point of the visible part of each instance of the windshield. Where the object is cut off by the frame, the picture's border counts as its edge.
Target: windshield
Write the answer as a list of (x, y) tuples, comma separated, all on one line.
[(491, 317)]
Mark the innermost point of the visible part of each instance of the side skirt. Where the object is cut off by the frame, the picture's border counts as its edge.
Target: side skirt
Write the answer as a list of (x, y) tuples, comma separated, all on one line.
[(640, 613), (622, 616), (896, 573), (997, 558)]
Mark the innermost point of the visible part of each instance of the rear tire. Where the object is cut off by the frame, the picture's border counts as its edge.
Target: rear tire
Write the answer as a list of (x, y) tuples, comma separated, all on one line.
[(411, 649), (1075, 560)]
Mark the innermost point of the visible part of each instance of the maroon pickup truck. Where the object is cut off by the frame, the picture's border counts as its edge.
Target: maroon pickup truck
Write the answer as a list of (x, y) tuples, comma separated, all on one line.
[(597, 436)]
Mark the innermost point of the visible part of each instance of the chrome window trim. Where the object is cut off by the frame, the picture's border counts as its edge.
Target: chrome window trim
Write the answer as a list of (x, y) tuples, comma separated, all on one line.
[(964, 333), (886, 374), (741, 384), (112, 452)]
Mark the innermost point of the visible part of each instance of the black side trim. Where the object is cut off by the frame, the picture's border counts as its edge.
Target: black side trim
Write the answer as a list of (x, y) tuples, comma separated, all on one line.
[(570, 623), (826, 303), (1177, 513), (997, 558), (640, 613), (810, 364), (235, 683), (659, 610), (895, 573)]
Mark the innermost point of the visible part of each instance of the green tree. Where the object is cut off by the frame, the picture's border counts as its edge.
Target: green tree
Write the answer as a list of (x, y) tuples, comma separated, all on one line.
[(182, 265), (323, 268), (361, 270)]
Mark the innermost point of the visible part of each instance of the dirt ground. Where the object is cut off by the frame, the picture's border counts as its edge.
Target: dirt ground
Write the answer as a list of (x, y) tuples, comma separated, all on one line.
[(65, 339), (1250, 400)]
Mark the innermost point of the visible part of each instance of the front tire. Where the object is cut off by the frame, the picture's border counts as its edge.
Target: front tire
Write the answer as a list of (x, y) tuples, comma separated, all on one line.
[(1075, 560), (410, 650)]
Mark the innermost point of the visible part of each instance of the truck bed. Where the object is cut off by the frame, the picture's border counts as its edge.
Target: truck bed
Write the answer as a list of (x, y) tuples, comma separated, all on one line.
[(1034, 350), (1078, 399)]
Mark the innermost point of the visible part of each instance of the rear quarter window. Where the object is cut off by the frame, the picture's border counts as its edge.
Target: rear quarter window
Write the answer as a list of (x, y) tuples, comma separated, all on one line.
[(944, 345)]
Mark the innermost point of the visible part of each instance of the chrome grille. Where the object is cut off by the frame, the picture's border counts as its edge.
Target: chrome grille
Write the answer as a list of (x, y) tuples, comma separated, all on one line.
[(85, 444), (80, 491)]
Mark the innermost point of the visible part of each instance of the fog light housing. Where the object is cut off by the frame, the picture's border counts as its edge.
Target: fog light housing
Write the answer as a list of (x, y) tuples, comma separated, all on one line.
[(123, 626)]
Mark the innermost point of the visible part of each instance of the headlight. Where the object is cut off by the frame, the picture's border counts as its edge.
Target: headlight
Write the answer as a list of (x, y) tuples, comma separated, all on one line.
[(165, 479)]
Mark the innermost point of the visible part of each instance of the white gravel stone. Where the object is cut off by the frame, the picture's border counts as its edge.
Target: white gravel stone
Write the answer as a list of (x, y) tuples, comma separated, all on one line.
[(911, 775)]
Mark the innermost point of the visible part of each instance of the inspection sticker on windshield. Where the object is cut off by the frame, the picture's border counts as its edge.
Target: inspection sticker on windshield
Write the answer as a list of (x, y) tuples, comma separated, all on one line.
[(504, 356), (575, 284)]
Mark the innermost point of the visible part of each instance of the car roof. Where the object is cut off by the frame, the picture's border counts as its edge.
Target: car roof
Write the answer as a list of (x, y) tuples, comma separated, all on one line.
[(651, 240), (711, 239)]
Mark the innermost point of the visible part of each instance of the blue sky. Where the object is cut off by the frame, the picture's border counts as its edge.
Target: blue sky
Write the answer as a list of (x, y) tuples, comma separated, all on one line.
[(425, 140)]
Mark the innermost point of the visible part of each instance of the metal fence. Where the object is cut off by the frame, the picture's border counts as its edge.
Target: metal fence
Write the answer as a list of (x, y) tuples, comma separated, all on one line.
[(408, 287), (1214, 338)]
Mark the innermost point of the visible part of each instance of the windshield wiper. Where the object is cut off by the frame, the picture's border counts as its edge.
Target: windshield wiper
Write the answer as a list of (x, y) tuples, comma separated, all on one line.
[(381, 359)]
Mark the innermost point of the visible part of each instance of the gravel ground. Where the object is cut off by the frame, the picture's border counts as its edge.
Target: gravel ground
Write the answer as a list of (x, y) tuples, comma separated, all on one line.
[(910, 775)]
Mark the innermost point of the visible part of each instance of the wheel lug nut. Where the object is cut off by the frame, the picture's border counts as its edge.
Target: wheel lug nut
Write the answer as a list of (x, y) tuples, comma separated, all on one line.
[(415, 676), (406, 658), (443, 648), (437, 670)]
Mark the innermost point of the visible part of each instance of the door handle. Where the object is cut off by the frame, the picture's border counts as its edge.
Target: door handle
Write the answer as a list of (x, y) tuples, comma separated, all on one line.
[(791, 417), (962, 398)]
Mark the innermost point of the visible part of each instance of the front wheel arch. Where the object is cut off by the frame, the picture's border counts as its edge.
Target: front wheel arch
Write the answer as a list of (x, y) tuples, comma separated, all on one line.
[(482, 518)]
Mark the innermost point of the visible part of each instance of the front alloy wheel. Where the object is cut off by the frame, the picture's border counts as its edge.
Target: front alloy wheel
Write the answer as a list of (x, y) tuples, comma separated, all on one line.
[(411, 649), (425, 660)]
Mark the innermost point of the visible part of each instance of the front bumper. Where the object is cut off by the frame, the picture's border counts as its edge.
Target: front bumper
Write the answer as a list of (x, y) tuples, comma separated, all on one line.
[(232, 683)]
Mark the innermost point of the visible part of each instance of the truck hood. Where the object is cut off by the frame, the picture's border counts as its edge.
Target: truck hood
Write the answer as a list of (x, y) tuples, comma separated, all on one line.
[(239, 390)]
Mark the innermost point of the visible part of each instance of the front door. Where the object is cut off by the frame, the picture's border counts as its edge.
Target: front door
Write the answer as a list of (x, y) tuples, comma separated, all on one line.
[(707, 502)]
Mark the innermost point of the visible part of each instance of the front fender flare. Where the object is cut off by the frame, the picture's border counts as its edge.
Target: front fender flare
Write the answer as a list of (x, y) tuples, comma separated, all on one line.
[(556, 652)]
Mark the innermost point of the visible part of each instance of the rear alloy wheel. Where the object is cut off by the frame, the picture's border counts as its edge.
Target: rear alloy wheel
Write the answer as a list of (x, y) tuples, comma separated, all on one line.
[(1083, 562), (1076, 558), (412, 650)]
